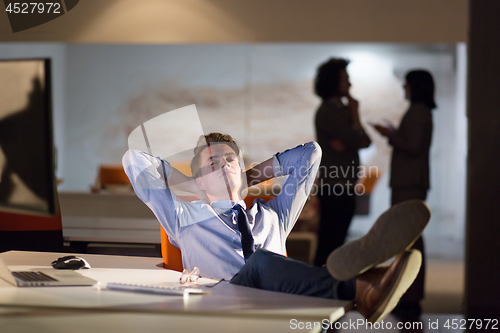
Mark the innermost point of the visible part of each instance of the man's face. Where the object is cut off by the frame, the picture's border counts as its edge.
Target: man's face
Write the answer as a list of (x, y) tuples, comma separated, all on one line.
[(344, 83), (220, 172)]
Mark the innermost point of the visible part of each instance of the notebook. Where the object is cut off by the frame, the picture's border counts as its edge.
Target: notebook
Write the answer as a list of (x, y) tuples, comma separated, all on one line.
[(44, 277)]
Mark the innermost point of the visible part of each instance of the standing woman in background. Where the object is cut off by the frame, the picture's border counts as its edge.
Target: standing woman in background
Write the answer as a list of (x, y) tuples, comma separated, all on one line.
[(410, 165)]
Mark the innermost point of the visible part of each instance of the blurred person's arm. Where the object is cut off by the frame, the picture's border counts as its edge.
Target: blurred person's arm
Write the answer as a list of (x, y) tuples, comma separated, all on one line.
[(364, 140), (337, 146), (412, 139)]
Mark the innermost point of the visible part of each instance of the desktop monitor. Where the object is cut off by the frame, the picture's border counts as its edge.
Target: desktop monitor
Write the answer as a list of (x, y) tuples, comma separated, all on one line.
[(27, 178)]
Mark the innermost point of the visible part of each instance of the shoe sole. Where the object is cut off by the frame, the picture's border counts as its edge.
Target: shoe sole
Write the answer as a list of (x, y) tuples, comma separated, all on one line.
[(405, 277), (395, 231)]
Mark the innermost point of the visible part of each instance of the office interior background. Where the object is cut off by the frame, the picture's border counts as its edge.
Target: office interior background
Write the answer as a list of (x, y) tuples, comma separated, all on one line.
[(261, 93), (255, 63)]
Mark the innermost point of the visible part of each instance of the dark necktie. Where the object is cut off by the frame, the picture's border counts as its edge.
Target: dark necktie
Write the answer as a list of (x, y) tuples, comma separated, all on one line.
[(246, 233)]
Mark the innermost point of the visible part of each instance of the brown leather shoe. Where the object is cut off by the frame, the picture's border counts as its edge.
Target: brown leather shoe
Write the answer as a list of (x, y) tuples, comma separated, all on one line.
[(379, 289)]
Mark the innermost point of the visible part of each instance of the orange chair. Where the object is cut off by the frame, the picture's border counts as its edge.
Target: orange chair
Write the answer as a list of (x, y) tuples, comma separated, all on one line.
[(172, 258), (111, 174), (370, 179)]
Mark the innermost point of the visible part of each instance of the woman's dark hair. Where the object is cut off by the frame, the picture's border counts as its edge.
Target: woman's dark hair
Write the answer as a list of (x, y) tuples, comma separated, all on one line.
[(326, 83), (421, 87)]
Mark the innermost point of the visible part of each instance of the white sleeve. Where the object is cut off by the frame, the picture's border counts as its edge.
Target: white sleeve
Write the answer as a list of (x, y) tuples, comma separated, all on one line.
[(149, 177)]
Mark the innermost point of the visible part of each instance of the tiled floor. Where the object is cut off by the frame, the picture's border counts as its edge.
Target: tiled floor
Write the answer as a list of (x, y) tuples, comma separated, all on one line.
[(444, 287)]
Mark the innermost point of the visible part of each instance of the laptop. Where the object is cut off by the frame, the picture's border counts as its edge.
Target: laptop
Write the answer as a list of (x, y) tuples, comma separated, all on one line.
[(44, 277)]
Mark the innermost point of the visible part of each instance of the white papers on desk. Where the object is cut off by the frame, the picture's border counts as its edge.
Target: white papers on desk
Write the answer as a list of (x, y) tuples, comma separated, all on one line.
[(164, 289), (140, 276), (155, 281), (164, 282)]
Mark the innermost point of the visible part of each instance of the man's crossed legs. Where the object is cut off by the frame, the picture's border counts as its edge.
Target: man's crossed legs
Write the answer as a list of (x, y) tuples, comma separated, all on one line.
[(351, 272)]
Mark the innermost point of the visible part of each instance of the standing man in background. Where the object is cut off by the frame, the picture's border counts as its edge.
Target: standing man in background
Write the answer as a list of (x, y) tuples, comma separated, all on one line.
[(410, 168), (340, 135)]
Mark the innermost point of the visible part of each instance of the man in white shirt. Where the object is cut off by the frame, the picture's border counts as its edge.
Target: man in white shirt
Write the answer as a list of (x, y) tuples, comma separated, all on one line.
[(224, 239)]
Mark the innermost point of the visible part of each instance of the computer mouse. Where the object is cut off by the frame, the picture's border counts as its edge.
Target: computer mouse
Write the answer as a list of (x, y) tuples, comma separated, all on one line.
[(70, 262)]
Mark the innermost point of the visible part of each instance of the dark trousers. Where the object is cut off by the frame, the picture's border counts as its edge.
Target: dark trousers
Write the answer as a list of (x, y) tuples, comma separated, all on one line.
[(335, 217), (270, 271), (409, 304)]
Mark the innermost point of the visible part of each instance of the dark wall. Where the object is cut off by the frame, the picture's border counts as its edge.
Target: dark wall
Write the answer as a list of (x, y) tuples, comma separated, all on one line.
[(39, 240), (483, 183)]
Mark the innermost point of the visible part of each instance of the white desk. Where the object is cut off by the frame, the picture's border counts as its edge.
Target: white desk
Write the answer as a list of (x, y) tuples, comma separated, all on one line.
[(228, 308)]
